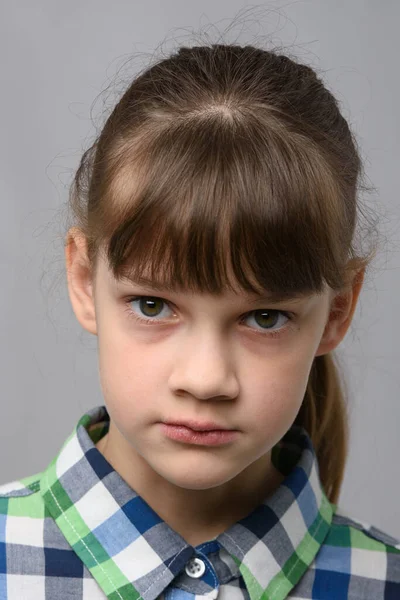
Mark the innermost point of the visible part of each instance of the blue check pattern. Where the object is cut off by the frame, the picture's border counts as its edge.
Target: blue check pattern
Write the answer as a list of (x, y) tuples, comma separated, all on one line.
[(77, 531)]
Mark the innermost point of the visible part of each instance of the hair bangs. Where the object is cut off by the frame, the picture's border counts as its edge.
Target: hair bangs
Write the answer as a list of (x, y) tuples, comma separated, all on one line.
[(196, 209)]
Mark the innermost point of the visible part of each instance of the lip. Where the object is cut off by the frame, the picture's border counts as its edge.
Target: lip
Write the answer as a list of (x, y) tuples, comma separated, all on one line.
[(213, 437), (199, 426)]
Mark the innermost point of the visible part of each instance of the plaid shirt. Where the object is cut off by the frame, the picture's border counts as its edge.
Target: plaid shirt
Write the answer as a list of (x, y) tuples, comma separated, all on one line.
[(77, 531)]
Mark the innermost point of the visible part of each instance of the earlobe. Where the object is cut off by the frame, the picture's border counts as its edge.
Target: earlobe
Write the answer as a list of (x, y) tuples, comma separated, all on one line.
[(80, 288)]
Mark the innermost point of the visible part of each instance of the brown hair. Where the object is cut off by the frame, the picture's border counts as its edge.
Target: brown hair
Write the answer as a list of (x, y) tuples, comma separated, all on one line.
[(227, 155)]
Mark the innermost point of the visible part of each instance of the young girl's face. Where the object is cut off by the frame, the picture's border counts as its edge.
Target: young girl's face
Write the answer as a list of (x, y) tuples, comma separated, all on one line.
[(203, 358)]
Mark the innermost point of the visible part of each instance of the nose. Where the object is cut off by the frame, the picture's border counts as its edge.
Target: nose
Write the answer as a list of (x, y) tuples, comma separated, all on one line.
[(205, 368)]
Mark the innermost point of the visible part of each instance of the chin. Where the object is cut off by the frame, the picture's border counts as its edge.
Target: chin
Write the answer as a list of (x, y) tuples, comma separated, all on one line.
[(195, 479)]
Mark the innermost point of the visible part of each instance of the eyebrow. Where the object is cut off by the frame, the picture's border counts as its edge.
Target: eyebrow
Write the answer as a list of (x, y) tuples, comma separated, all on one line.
[(272, 297)]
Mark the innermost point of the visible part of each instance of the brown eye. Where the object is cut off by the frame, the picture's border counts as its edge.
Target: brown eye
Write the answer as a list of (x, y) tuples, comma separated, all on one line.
[(146, 308), (149, 306), (266, 318)]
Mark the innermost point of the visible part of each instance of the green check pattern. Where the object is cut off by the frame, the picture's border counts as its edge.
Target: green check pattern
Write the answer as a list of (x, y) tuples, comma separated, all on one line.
[(77, 531)]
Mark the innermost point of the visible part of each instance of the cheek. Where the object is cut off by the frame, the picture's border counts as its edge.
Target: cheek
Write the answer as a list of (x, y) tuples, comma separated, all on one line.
[(274, 395), (131, 374), (124, 354)]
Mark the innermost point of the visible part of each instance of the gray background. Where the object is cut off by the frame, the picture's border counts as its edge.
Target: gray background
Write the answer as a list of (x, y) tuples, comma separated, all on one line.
[(63, 65)]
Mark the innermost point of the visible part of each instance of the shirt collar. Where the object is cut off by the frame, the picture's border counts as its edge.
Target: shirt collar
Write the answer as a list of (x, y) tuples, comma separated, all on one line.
[(132, 552)]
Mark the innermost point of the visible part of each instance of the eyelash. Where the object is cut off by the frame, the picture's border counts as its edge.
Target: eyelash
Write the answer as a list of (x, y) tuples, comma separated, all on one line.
[(271, 334)]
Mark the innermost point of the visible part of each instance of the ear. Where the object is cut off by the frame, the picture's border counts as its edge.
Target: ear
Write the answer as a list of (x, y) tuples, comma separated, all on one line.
[(79, 279), (341, 315)]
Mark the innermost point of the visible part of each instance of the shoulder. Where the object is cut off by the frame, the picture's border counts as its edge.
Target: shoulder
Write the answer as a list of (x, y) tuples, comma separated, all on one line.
[(25, 486), (22, 519), (359, 559), (21, 499), (363, 535)]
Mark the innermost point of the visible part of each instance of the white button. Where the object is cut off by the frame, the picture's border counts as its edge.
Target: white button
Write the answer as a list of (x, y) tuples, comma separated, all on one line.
[(195, 567)]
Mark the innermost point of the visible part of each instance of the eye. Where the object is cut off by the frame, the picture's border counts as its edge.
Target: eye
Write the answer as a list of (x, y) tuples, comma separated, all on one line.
[(150, 306)]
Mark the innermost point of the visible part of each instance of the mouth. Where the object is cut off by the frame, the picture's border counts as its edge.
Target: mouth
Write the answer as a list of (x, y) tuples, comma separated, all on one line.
[(187, 435), (198, 426)]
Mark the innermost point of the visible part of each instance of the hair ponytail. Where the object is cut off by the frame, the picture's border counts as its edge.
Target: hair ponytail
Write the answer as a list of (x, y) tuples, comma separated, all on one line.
[(323, 415)]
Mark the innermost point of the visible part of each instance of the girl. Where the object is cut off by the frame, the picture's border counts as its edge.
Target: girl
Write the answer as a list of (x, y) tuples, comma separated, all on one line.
[(212, 254)]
